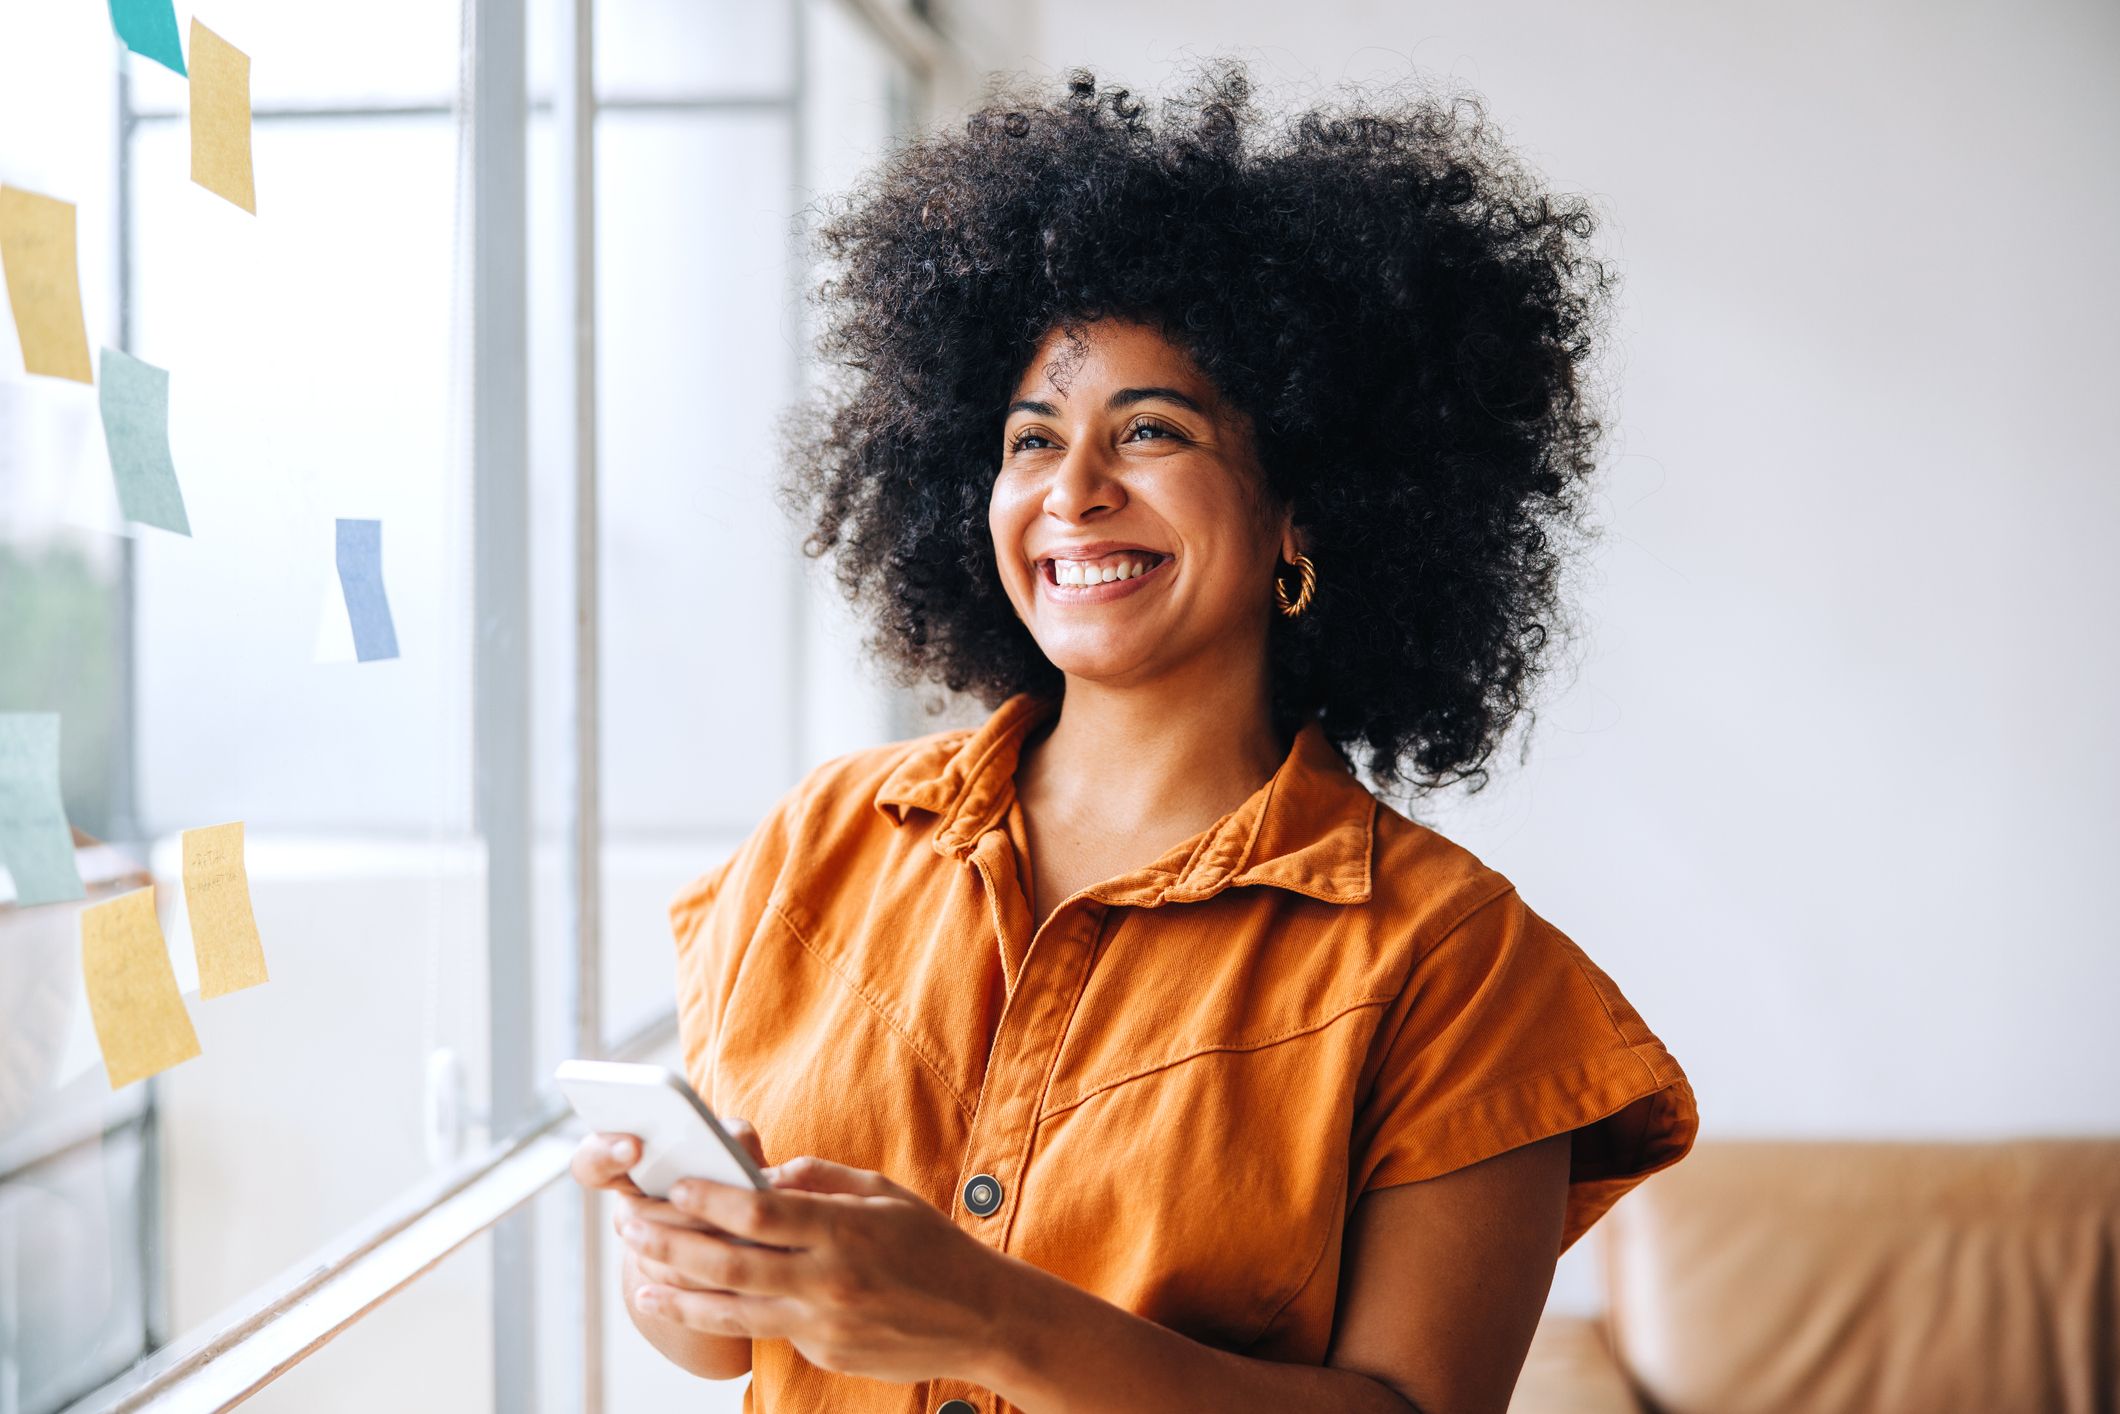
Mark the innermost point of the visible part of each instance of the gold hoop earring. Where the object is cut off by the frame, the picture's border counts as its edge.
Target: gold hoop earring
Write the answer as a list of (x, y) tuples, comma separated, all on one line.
[(1309, 572)]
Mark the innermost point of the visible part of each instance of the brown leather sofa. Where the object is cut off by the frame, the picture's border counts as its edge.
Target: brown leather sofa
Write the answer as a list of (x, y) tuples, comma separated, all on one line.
[(1846, 1277)]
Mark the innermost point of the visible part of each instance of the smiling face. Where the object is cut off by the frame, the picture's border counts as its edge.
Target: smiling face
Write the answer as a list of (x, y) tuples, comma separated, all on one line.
[(1131, 522)]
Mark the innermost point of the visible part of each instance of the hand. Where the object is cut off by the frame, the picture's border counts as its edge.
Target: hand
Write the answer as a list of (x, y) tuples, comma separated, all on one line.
[(861, 1275), (601, 1162)]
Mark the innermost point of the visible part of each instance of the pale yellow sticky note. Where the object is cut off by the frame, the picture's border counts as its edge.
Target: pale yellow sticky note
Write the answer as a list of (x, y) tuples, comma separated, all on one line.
[(220, 118), (224, 933), (140, 1019), (44, 283)]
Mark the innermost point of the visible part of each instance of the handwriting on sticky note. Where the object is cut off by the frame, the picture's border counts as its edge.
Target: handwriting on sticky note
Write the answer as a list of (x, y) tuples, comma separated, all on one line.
[(360, 552), (36, 844), (44, 283), (149, 28), (220, 118), (135, 400), (140, 1019), (224, 933)]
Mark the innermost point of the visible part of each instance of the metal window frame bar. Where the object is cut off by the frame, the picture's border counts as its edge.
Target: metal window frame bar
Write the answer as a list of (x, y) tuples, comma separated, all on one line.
[(502, 801), (574, 110), (125, 772)]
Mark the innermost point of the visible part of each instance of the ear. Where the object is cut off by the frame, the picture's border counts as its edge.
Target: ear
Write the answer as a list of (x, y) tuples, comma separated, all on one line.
[(1293, 540)]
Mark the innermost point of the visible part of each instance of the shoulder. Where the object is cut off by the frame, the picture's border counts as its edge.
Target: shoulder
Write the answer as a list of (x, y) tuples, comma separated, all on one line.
[(1426, 883), (1462, 933), (1480, 960), (845, 791)]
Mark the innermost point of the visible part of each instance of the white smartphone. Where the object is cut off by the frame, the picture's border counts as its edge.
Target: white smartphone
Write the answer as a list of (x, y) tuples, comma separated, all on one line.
[(679, 1136)]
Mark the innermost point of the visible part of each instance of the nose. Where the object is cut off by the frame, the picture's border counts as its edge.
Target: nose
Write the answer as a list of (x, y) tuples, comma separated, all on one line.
[(1083, 487)]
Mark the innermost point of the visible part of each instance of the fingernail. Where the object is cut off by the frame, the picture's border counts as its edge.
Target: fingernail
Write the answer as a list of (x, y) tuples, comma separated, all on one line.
[(634, 1231)]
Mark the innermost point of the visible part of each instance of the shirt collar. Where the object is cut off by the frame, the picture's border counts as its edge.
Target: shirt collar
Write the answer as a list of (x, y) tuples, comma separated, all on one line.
[(1309, 829)]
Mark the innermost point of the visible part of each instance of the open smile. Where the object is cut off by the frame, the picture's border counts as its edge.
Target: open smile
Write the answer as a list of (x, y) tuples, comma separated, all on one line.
[(1096, 581)]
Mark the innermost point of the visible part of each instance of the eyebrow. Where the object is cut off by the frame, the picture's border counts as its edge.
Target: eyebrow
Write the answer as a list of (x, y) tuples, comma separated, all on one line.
[(1125, 397)]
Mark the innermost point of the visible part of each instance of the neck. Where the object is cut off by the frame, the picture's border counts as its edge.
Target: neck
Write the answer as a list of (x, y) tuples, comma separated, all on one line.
[(1176, 755)]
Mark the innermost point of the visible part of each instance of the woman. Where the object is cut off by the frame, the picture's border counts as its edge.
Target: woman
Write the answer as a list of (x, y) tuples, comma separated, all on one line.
[(1124, 1051)]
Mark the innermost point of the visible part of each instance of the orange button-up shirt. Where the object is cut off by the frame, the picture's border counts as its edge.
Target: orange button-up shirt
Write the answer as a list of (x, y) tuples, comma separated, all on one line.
[(1181, 1083)]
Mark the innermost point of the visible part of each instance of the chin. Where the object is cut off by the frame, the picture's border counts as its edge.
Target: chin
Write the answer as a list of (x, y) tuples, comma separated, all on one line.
[(1113, 663)]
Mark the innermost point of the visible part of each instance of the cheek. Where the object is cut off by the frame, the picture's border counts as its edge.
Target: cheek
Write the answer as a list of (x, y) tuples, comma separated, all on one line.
[(1012, 504), (1237, 585), (1007, 513)]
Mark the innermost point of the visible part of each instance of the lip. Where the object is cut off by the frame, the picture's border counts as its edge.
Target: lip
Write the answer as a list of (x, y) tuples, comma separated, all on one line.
[(1103, 592), (1092, 550)]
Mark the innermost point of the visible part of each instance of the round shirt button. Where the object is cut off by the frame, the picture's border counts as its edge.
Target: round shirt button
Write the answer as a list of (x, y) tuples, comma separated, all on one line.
[(955, 1406), (982, 1194)]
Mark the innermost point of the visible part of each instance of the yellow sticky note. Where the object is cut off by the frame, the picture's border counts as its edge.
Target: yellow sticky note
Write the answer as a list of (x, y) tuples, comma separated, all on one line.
[(220, 118), (132, 990), (224, 933), (44, 283)]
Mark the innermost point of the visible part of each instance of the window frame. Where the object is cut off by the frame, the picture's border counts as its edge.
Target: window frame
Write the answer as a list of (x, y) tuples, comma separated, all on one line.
[(230, 1357)]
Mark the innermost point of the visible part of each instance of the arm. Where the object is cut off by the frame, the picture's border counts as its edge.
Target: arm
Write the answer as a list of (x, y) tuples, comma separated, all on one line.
[(1443, 1283)]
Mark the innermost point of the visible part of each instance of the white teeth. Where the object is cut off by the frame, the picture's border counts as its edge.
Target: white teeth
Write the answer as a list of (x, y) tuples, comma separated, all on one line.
[(1083, 573)]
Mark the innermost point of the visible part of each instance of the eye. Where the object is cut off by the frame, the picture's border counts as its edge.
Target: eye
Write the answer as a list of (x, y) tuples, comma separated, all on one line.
[(1145, 425), (1017, 443)]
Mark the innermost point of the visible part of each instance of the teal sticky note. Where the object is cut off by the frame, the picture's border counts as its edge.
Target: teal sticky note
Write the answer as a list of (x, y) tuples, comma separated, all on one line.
[(149, 29), (135, 398), (36, 844)]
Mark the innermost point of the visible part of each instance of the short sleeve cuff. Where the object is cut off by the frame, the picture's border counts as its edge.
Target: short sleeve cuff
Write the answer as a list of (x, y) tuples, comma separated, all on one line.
[(1631, 1110)]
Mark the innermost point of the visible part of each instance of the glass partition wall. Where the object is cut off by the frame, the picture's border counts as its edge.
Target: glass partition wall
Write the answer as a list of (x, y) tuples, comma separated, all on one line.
[(524, 286)]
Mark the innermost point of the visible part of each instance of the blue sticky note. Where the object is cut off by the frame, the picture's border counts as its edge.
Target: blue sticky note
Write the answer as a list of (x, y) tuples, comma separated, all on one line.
[(135, 398), (36, 844), (361, 577), (149, 28)]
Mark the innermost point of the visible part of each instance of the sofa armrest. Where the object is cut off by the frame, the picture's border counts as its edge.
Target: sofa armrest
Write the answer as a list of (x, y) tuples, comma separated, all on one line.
[(1571, 1370)]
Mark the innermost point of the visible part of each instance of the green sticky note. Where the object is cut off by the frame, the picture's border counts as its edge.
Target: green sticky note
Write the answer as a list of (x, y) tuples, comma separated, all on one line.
[(135, 399), (36, 844), (149, 29)]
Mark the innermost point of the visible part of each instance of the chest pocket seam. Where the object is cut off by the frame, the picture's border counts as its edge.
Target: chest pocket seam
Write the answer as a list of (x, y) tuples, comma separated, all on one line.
[(1259, 1044), (897, 1028)]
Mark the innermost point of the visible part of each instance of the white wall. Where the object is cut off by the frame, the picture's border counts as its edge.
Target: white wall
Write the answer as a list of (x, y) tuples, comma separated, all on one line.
[(1833, 794)]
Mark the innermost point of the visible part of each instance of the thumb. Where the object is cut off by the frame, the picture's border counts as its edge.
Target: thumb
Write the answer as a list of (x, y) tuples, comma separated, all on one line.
[(741, 1131), (810, 1174)]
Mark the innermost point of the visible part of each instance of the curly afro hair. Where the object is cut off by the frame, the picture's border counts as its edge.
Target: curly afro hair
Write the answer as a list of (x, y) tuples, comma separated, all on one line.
[(1403, 312)]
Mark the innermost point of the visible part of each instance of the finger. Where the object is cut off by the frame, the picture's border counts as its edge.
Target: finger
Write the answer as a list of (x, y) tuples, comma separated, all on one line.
[(601, 1161), (656, 1210), (717, 1313), (714, 1263), (741, 1131), (810, 1174), (663, 1274), (777, 1219)]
